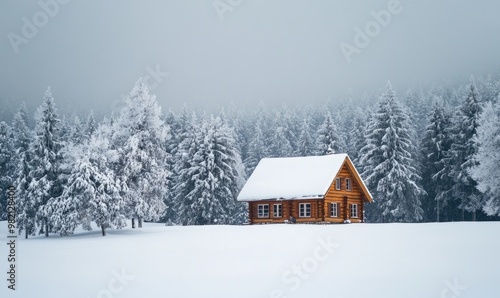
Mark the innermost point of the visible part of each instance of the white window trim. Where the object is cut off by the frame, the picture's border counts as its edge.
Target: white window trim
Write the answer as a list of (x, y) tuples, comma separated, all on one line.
[(354, 207), (348, 184), (305, 209), (338, 184), (336, 210), (279, 208), (263, 209)]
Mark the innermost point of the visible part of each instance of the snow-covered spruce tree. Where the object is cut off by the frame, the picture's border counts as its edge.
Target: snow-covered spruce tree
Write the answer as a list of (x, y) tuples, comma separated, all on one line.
[(486, 171), (92, 192), (241, 124), (256, 149), (90, 126), (140, 135), (216, 177), (26, 206), (388, 164), (190, 136), (463, 148), (77, 131), (171, 147), (305, 146), (291, 124), (64, 129), (21, 136), (280, 146), (328, 137), (230, 171), (488, 88), (44, 161), (6, 167), (435, 146), (418, 108), (259, 139), (361, 143), (357, 134)]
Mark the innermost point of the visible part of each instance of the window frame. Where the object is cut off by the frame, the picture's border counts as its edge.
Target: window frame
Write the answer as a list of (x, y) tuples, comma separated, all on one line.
[(338, 184), (279, 208), (348, 184), (354, 207), (263, 214), (336, 209), (305, 210)]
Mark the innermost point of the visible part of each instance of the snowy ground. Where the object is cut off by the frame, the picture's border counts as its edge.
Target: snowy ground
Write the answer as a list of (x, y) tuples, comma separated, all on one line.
[(357, 260)]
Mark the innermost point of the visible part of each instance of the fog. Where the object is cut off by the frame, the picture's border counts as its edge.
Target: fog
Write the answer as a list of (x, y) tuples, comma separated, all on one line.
[(210, 54)]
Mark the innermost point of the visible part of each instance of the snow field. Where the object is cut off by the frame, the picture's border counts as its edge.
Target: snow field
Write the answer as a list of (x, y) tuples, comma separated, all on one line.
[(361, 260)]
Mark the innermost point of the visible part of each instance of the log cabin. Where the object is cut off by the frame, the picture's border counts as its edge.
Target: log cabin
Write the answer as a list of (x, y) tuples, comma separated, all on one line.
[(311, 189)]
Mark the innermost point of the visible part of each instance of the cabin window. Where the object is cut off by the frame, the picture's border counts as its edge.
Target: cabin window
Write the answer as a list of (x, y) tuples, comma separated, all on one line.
[(277, 210), (337, 184), (333, 210), (305, 210), (348, 185), (354, 210), (263, 210)]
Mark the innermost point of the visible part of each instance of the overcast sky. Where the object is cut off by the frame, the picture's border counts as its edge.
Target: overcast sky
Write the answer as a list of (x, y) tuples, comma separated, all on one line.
[(238, 51)]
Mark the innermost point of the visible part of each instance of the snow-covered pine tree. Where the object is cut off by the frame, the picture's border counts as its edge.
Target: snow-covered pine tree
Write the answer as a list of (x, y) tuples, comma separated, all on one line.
[(418, 106), (203, 207), (44, 162), (463, 148), (216, 177), (328, 137), (77, 131), (361, 143), (190, 136), (357, 134), (486, 171), (242, 127), (21, 136), (435, 146), (291, 124), (140, 135), (229, 171), (488, 88), (92, 192), (26, 206), (280, 140), (388, 164), (280, 145), (305, 146), (171, 147), (6, 166), (256, 149), (90, 126), (65, 129)]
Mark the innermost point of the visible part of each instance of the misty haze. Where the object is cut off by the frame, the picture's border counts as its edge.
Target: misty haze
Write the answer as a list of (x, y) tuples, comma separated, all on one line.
[(236, 148)]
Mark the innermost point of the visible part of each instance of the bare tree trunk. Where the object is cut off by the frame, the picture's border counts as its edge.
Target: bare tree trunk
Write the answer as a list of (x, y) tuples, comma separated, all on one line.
[(474, 215), (103, 230), (26, 233), (139, 220), (133, 223), (46, 227), (42, 227), (437, 209)]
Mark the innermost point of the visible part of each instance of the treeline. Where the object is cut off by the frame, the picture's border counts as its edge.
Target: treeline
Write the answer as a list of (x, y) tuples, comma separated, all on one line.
[(428, 155)]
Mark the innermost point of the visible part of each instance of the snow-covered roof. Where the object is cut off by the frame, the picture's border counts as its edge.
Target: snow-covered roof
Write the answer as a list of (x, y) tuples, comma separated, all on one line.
[(293, 177)]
